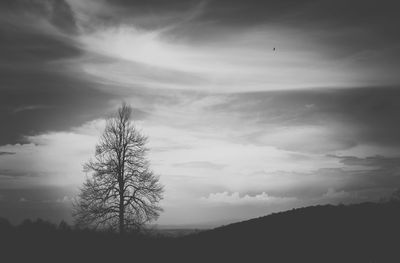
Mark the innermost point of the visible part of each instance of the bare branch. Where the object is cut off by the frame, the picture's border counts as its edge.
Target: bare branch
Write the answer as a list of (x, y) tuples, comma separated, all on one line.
[(122, 192)]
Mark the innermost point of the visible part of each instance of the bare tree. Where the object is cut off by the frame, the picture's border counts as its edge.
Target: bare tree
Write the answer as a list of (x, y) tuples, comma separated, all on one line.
[(121, 191)]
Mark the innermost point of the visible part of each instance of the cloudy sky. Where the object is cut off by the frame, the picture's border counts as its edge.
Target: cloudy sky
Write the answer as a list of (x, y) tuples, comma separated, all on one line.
[(236, 129)]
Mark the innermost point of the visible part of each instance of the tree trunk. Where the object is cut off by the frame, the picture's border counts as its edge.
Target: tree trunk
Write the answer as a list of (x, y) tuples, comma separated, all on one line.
[(121, 206), (121, 215)]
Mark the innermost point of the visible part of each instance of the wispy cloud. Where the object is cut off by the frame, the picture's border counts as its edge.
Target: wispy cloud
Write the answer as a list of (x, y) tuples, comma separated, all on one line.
[(32, 107), (200, 165), (237, 62)]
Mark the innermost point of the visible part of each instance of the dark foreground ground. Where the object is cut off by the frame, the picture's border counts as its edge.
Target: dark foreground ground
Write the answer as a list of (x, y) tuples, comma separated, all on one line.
[(366, 232)]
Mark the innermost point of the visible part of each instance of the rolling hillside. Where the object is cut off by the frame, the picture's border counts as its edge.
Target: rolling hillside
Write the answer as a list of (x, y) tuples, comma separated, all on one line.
[(366, 232)]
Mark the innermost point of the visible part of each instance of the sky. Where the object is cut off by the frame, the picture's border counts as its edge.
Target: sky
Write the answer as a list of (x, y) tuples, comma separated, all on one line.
[(251, 107)]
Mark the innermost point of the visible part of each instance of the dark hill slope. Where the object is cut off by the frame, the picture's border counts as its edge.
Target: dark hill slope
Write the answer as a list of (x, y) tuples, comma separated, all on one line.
[(355, 233), (366, 232)]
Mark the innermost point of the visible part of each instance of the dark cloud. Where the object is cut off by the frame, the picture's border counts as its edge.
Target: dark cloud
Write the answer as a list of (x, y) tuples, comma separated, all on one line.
[(23, 43), (64, 102), (6, 153), (371, 114), (369, 15), (367, 183), (155, 6), (222, 11), (39, 89), (375, 176), (377, 161), (365, 32), (11, 173), (21, 48), (62, 16), (56, 12)]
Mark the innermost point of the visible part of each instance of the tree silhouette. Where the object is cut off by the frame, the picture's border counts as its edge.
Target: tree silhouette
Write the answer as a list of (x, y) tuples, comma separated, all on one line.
[(121, 192)]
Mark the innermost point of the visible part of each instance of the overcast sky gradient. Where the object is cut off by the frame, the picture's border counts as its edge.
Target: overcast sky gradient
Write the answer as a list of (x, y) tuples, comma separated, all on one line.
[(236, 130)]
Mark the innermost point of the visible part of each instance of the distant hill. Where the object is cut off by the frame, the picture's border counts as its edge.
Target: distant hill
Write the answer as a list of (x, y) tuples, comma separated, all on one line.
[(368, 232)]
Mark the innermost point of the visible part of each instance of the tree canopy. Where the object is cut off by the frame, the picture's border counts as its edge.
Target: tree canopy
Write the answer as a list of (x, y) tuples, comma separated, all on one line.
[(121, 191)]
